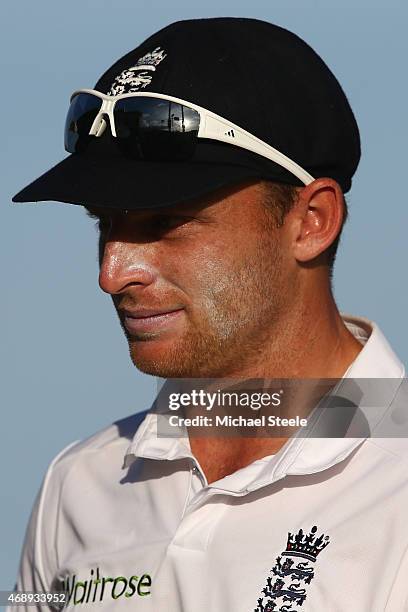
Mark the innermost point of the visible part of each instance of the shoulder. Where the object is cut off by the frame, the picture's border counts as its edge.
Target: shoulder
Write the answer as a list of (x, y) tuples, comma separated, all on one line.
[(394, 450), (390, 435), (75, 473), (106, 445), (70, 480)]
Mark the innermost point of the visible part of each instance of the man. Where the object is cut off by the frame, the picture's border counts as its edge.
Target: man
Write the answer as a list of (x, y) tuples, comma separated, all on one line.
[(215, 157)]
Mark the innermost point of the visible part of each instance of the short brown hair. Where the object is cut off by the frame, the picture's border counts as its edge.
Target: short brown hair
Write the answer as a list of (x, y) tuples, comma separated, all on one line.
[(280, 198)]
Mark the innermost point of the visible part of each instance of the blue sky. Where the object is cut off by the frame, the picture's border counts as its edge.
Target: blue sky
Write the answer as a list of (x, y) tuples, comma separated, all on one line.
[(65, 363)]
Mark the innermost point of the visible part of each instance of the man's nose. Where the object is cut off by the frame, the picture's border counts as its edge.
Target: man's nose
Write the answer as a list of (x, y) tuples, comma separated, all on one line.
[(123, 265)]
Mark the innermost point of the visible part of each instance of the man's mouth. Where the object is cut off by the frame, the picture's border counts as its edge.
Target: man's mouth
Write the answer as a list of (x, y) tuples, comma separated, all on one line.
[(148, 320)]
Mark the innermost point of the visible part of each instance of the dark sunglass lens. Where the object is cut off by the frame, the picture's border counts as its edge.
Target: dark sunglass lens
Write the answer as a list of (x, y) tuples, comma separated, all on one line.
[(82, 112), (156, 130)]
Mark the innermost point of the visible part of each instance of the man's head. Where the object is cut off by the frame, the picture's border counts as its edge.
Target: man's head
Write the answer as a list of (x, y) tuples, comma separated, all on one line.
[(202, 288), (188, 132)]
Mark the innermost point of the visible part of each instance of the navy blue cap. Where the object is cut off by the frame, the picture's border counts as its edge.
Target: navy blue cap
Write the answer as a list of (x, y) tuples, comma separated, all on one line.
[(258, 75)]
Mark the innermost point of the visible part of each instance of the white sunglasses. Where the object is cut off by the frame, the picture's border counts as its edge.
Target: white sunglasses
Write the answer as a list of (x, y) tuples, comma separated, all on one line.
[(159, 127)]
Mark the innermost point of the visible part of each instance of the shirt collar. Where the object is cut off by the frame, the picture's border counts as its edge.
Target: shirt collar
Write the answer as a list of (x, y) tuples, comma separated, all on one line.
[(300, 455), (377, 361)]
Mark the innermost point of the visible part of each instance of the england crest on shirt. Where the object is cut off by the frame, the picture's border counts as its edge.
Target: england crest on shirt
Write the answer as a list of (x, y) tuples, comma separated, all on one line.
[(286, 588)]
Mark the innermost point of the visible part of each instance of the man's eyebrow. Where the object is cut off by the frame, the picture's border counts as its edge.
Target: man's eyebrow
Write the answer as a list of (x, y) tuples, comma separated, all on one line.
[(181, 210)]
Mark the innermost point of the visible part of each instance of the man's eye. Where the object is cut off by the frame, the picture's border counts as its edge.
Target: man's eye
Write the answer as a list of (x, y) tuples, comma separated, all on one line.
[(168, 222)]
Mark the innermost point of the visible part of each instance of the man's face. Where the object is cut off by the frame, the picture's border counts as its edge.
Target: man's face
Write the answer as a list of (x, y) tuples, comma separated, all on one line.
[(197, 286)]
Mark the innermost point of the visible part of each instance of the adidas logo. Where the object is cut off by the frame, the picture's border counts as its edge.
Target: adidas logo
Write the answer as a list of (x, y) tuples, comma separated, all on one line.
[(230, 133)]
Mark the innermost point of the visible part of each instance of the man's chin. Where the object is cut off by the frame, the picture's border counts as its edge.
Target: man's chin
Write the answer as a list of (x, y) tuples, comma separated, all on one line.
[(159, 357), (186, 355), (164, 369)]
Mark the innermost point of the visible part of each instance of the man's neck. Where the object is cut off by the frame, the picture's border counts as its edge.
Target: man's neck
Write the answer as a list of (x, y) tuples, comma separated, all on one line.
[(318, 345)]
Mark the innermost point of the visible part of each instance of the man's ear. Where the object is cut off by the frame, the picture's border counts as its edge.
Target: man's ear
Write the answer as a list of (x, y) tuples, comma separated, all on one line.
[(316, 219)]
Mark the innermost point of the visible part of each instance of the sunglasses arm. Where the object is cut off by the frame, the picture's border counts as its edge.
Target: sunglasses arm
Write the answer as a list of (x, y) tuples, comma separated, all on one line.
[(216, 128)]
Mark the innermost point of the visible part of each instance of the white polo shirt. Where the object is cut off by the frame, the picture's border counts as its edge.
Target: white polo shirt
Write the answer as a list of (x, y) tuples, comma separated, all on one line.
[(126, 521)]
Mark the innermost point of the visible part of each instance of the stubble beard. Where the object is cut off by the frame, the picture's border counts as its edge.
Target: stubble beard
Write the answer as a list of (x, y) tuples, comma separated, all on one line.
[(232, 321)]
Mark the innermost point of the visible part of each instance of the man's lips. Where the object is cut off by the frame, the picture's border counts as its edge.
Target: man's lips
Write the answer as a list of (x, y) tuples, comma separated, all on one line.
[(149, 320)]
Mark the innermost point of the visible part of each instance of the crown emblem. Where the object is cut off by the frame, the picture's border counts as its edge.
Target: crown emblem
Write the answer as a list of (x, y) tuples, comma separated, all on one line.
[(306, 545), (153, 58)]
